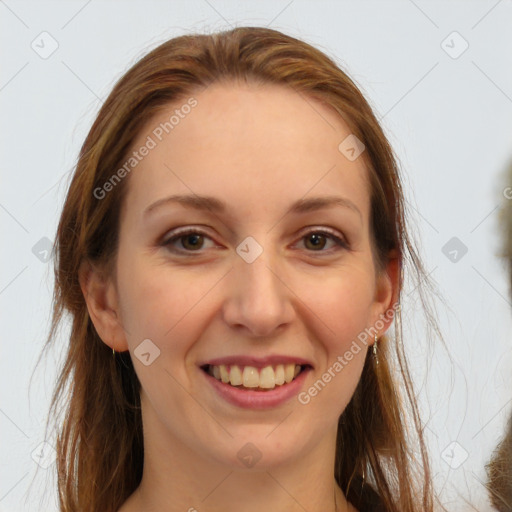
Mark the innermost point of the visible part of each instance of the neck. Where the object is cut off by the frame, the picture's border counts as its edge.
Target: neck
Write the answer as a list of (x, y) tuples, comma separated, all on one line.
[(178, 477), (140, 501)]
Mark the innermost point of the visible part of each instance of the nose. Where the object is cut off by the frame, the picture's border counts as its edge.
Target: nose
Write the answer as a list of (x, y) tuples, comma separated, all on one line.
[(258, 298)]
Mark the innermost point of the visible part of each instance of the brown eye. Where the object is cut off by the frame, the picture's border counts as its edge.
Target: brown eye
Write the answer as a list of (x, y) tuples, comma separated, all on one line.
[(191, 242), (187, 241), (317, 240)]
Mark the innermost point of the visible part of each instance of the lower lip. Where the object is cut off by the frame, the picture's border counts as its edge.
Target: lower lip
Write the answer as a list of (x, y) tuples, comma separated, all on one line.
[(258, 399)]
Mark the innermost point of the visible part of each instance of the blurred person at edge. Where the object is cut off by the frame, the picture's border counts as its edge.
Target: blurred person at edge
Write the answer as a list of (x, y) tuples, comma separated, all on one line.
[(499, 467)]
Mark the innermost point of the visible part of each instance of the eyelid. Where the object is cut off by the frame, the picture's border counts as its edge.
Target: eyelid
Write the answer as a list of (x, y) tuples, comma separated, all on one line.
[(324, 229)]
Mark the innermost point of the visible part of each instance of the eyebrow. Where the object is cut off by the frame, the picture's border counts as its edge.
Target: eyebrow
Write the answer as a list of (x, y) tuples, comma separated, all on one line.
[(217, 206)]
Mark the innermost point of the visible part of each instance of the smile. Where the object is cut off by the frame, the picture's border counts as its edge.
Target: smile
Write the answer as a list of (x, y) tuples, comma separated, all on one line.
[(257, 379), (254, 396)]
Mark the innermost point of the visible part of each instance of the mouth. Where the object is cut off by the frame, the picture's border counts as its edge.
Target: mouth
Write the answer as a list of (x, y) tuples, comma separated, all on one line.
[(252, 378)]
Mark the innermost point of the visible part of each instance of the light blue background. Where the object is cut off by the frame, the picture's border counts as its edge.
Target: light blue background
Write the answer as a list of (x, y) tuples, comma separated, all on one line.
[(449, 120)]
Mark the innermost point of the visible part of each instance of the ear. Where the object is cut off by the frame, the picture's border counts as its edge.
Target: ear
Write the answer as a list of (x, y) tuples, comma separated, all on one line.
[(101, 298), (386, 295)]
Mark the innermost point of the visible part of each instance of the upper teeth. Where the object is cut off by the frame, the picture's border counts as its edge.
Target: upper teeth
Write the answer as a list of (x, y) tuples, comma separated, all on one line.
[(249, 376)]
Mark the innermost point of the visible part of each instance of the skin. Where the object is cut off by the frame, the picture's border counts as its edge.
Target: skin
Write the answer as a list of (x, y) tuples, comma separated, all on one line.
[(258, 149)]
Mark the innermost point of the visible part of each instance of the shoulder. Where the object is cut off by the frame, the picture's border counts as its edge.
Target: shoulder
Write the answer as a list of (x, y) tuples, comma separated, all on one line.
[(372, 507)]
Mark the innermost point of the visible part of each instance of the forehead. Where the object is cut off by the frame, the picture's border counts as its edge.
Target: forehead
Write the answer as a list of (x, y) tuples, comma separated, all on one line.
[(252, 145)]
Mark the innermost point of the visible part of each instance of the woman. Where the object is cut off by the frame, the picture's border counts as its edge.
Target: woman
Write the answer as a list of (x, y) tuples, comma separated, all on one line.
[(230, 251)]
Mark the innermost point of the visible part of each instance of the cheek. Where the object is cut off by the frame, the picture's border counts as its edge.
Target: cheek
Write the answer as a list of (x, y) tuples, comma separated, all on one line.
[(341, 304), (165, 306), (160, 303), (343, 307)]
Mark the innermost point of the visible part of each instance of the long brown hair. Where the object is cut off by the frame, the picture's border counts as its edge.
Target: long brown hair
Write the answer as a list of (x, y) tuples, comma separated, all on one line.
[(100, 449)]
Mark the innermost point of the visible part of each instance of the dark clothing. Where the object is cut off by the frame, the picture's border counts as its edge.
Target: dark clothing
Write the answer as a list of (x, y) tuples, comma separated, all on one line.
[(366, 500)]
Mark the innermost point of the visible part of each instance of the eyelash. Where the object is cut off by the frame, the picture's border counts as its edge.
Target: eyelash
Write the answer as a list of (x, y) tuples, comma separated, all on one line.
[(342, 244)]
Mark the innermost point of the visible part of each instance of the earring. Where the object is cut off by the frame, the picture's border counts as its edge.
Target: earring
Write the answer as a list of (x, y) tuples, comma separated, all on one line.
[(113, 353), (375, 350)]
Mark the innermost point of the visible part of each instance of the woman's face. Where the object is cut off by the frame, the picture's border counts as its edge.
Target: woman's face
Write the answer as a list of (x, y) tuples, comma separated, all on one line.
[(261, 275)]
